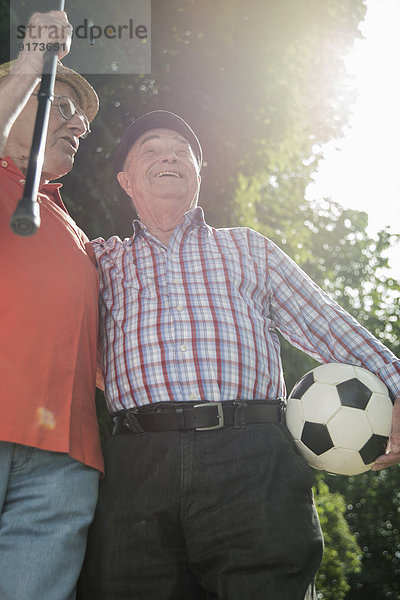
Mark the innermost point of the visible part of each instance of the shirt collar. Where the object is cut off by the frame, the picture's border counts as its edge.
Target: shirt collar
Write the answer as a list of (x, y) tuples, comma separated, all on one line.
[(50, 190), (194, 217), (138, 228)]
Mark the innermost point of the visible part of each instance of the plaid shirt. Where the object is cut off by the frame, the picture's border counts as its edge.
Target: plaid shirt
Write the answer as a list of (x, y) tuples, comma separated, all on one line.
[(198, 320)]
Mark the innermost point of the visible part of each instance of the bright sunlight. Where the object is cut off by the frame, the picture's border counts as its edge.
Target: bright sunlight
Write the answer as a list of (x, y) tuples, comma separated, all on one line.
[(362, 170)]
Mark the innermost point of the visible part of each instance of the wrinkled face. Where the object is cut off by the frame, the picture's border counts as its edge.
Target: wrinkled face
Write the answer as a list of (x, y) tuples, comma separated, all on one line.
[(62, 136), (160, 168)]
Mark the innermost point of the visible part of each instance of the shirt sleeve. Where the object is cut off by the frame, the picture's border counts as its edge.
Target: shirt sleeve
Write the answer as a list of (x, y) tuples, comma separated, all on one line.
[(310, 320), (90, 252)]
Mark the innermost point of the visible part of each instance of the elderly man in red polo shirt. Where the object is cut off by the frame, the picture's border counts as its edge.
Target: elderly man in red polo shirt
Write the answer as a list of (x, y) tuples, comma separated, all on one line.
[(50, 456)]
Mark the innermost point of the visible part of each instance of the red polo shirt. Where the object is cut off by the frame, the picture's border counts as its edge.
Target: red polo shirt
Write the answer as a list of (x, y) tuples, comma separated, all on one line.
[(48, 328)]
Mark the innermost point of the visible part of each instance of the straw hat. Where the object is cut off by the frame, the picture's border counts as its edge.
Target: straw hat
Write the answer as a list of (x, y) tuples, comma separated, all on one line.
[(88, 99)]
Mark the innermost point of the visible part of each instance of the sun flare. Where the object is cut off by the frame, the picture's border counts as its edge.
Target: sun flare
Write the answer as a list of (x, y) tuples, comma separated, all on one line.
[(361, 170)]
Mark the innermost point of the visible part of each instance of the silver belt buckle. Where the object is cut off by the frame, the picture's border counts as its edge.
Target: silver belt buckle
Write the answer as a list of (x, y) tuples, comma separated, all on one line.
[(219, 415)]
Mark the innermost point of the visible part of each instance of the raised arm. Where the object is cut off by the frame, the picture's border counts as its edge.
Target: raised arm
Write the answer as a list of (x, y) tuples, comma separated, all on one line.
[(16, 88)]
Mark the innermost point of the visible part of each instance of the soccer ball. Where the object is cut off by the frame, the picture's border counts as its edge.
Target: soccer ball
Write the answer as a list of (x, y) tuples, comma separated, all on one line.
[(340, 418)]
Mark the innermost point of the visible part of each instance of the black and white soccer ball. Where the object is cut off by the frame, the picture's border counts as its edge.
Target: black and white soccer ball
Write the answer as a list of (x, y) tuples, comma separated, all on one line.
[(340, 418)]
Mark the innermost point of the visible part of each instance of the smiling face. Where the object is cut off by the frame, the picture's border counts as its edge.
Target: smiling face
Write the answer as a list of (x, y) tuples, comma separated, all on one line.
[(161, 174), (62, 136)]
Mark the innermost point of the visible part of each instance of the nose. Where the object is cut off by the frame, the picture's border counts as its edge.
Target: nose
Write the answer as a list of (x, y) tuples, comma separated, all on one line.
[(169, 156), (78, 125)]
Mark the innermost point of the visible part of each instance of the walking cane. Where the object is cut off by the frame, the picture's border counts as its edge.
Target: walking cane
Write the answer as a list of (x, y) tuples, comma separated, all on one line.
[(26, 218)]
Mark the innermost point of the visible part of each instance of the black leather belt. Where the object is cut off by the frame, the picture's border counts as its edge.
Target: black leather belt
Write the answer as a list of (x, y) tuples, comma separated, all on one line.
[(204, 416)]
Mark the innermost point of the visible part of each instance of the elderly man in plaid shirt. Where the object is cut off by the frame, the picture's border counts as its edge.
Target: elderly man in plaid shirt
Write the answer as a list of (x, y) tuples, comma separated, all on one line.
[(204, 495)]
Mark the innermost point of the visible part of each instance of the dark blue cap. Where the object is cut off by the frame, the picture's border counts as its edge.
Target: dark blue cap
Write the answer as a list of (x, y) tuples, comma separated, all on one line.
[(157, 119)]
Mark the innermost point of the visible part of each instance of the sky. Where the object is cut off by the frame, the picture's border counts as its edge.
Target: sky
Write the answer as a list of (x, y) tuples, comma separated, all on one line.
[(362, 170)]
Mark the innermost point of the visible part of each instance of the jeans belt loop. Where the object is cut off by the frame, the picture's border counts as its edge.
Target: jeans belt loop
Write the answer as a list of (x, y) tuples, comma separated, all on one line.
[(282, 406), (133, 423), (239, 415), (181, 414)]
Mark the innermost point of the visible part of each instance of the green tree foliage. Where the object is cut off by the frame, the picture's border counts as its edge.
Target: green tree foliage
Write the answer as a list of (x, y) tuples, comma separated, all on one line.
[(261, 82), (342, 553), (331, 244), (372, 511)]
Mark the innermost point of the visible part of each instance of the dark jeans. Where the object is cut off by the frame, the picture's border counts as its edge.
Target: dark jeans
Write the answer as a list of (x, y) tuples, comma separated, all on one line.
[(224, 514)]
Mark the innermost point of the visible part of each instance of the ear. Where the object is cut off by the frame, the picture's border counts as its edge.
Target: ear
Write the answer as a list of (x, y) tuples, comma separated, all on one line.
[(125, 182)]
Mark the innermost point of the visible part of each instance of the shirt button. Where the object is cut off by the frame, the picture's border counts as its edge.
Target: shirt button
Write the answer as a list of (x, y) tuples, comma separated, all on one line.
[(183, 348), (192, 397), (22, 180), (179, 307), (4, 163), (175, 281)]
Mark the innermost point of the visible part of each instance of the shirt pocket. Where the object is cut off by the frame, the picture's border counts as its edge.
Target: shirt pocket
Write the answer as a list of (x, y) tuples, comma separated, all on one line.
[(126, 290), (245, 280)]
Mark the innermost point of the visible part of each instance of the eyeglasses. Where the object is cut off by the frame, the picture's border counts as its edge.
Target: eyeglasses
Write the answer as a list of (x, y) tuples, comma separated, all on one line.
[(68, 109)]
